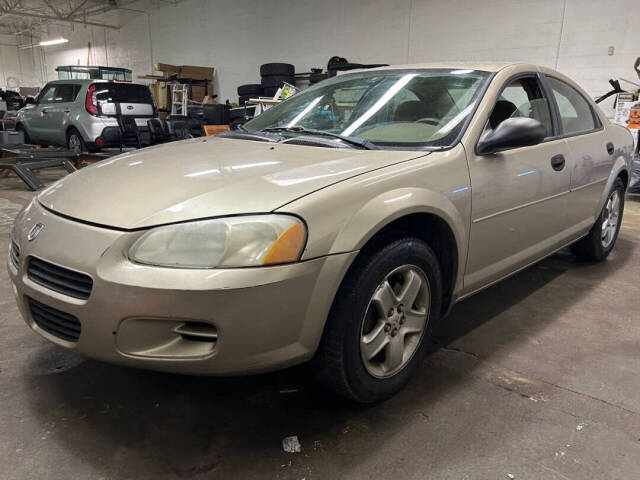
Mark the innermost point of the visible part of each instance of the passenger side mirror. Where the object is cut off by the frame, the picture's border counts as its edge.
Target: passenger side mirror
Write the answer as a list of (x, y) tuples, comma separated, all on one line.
[(512, 133)]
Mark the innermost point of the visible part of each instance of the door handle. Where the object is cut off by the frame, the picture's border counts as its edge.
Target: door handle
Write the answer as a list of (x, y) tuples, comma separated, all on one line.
[(557, 162), (610, 148), (66, 111)]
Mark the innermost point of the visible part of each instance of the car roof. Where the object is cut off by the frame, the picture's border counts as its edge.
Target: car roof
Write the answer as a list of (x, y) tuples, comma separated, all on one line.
[(487, 66)]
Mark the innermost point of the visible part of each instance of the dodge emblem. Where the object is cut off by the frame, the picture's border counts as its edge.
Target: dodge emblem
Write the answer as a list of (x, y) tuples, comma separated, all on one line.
[(33, 233)]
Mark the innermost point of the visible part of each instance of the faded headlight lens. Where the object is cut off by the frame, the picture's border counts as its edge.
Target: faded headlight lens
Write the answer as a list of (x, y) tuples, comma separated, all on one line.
[(243, 241)]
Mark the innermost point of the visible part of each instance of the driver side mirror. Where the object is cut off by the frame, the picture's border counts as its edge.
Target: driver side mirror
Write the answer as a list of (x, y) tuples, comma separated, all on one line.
[(512, 133)]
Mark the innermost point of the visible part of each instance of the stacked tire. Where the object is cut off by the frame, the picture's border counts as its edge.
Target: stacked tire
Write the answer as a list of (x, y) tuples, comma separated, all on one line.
[(274, 75), (251, 90)]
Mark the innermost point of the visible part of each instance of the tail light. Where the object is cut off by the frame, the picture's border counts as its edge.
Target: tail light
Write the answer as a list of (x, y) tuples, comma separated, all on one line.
[(91, 102), (100, 142)]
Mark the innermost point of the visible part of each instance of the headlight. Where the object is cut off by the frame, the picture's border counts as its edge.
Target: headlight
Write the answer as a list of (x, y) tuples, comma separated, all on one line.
[(243, 241)]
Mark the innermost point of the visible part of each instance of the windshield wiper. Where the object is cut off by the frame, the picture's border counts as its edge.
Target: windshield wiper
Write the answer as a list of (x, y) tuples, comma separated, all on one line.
[(359, 142), (242, 132)]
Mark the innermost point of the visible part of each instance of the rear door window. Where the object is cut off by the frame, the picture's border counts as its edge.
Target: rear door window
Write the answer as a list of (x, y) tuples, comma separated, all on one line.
[(576, 114)]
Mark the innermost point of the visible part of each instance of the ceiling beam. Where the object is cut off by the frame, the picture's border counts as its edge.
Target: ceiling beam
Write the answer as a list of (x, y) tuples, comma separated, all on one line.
[(5, 11)]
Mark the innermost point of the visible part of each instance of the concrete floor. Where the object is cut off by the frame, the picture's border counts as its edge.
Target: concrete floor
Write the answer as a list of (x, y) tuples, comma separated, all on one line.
[(536, 377)]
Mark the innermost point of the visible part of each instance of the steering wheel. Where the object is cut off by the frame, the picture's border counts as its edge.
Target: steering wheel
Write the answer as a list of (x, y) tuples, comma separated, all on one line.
[(430, 120)]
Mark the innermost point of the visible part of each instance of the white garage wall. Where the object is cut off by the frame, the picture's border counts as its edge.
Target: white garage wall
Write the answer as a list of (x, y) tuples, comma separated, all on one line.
[(237, 36)]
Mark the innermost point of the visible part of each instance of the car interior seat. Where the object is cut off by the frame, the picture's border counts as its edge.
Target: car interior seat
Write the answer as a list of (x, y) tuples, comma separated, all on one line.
[(503, 110), (410, 111), (157, 131), (129, 133)]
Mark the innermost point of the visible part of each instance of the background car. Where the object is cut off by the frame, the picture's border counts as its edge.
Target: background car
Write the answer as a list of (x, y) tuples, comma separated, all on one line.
[(14, 99), (85, 115)]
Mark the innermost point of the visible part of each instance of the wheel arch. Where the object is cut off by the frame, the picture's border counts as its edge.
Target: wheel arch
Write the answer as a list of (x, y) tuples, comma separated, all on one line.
[(420, 213), (68, 129)]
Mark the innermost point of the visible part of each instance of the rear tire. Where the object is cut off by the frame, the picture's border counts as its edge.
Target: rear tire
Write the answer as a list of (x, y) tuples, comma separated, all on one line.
[(75, 142), (601, 239), (359, 356)]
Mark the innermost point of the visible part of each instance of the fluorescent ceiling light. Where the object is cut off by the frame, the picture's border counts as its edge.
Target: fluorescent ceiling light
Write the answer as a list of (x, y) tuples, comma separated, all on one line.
[(55, 41)]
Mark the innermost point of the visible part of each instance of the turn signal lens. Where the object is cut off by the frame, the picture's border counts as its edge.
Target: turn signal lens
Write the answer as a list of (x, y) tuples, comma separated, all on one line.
[(288, 247)]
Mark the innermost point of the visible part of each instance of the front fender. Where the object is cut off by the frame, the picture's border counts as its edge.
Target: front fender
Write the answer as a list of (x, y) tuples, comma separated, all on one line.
[(392, 205), (345, 216)]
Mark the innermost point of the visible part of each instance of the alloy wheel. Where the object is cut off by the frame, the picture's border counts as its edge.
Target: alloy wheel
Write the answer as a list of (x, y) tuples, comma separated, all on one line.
[(74, 143), (611, 219), (395, 321)]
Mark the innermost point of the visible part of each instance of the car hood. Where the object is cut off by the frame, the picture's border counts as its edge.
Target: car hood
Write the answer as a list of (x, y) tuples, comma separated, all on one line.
[(205, 177)]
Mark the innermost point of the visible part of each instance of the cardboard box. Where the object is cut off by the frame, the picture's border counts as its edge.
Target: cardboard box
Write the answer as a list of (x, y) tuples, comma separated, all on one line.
[(167, 69), (196, 73), (199, 92)]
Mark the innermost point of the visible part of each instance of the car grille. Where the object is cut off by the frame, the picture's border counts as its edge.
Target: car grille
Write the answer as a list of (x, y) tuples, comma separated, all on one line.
[(59, 279), (14, 254), (53, 321)]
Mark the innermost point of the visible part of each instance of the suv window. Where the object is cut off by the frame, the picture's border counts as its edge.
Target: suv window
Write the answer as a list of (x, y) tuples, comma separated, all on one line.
[(523, 97), (66, 92), (576, 114), (47, 95)]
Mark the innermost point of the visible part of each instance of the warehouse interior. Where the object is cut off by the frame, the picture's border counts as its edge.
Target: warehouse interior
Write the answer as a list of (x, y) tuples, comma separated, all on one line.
[(533, 377)]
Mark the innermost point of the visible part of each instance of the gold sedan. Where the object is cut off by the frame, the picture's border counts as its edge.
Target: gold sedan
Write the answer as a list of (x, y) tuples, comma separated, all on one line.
[(338, 227)]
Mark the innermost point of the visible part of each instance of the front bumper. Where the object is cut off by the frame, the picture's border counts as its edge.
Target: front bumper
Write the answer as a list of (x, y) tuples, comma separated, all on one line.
[(265, 318)]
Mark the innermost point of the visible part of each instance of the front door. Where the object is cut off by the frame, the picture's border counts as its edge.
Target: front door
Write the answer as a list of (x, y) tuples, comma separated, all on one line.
[(57, 117), (519, 196), (37, 117)]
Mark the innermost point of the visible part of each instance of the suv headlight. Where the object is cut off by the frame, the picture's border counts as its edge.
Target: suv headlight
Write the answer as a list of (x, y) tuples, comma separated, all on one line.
[(243, 241)]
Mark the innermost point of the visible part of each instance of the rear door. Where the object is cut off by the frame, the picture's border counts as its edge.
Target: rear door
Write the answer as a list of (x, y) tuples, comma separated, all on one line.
[(589, 148), (127, 99), (519, 196)]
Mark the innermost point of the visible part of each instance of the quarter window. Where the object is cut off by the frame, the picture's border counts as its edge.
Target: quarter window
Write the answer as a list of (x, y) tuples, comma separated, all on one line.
[(575, 111)]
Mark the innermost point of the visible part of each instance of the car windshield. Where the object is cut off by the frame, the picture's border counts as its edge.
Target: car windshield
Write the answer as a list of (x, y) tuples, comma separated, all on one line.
[(394, 108)]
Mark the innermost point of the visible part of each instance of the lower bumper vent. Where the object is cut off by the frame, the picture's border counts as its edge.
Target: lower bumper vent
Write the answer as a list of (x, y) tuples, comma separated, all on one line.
[(53, 321)]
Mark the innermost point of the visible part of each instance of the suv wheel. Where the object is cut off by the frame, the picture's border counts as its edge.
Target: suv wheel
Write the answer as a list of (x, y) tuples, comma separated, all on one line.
[(75, 142), (381, 322)]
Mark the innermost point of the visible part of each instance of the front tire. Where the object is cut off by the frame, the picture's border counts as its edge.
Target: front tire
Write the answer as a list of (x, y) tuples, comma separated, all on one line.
[(381, 321), (601, 239), (21, 128)]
